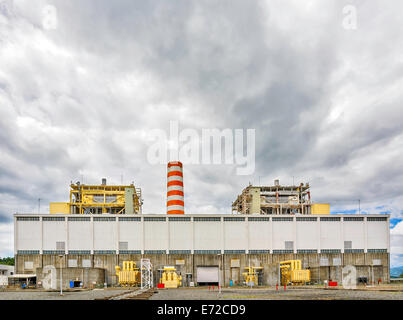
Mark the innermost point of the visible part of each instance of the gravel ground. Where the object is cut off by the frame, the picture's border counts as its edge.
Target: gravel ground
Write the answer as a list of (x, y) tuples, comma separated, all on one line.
[(29, 294), (272, 294), (203, 293)]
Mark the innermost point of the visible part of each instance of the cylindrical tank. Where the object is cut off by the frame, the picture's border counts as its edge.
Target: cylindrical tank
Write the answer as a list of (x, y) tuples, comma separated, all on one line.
[(175, 195)]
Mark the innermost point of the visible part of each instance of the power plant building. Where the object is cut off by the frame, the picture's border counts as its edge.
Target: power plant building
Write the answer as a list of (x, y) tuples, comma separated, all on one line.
[(203, 247)]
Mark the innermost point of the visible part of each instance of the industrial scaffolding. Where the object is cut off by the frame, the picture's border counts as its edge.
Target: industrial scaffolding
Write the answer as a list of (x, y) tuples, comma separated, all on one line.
[(275, 199)]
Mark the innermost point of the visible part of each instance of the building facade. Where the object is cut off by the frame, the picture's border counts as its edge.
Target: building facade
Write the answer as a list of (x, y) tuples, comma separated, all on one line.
[(228, 243)]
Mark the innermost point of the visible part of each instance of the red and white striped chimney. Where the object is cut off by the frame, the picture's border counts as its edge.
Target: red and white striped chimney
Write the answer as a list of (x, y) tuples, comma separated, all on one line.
[(175, 195)]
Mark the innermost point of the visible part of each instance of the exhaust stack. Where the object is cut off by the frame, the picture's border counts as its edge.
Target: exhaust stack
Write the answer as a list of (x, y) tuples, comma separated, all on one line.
[(175, 195)]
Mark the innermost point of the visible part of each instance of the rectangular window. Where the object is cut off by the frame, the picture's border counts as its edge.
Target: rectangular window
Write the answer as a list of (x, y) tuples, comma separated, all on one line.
[(307, 219), (377, 250), (207, 252), (234, 251), (330, 251), (129, 219), (179, 218), (129, 251), (353, 218), (258, 251), (53, 219), (53, 252), (336, 261), (353, 250), (206, 219), (28, 265), (283, 218), (377, 218), (180, 251), (123, 245), (27, 218), (289, 245), (79, 251), (104, 252), (329, 218), (282, 251), (60, 245), (348, 245), (104, 219), (259, 219), (154, 251), (27, 251), (79, 219), (307, 251), (154, 219), (234, 219)]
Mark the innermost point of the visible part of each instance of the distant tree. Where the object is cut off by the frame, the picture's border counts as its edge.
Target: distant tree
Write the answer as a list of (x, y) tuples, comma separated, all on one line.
[(401, 275), (8, 261)]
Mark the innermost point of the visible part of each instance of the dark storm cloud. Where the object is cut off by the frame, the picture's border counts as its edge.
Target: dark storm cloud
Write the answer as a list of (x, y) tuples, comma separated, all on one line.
[(78, 102)]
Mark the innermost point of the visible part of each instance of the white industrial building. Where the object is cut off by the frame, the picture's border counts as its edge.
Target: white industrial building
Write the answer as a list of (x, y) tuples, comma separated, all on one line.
[(192, 241)]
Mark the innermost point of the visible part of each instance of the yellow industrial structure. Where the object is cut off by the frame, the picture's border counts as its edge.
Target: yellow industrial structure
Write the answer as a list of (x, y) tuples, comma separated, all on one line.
[(291, 272), (170, 278), (98, 199), (251, 275), (129, 276), (320, 208)]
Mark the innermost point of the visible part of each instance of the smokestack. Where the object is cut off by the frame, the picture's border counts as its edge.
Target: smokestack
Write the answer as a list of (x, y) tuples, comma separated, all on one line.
[(104, 181), (175, 195)]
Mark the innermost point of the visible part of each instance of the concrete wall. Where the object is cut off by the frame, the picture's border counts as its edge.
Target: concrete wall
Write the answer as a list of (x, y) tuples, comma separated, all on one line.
[(322, 266), (49, 278)]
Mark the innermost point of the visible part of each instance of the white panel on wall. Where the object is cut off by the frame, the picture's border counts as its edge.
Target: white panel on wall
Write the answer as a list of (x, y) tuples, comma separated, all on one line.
[(156, 235), (80, 236), (330, 235), (29, 235), (354, 231), (236, 237), (180, 235), (105, 235), (377, 235), (282, 231), (131, 232), (86, 263), (72, 263), (53, 231), (307, 235), (259, 235), (207, 235)]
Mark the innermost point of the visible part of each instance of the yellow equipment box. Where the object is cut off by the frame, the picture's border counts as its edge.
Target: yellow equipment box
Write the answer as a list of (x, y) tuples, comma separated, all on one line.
[(129, 276), (320, 208)]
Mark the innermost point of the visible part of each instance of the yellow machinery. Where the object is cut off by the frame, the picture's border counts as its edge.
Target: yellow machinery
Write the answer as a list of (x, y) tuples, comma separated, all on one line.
[(170, 278), (97, 199), (129, 276), (291, 272), (251, 275)]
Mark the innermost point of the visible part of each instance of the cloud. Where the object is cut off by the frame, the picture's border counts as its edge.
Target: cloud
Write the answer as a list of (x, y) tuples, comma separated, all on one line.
[(78, 102)]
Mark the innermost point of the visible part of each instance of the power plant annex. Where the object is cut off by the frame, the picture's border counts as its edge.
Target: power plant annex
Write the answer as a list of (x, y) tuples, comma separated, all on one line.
[(274, 235)]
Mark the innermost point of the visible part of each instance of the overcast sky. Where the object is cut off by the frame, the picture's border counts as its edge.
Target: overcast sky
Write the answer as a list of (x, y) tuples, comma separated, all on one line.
[(80, 91)]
